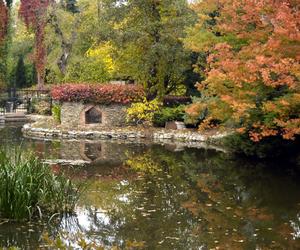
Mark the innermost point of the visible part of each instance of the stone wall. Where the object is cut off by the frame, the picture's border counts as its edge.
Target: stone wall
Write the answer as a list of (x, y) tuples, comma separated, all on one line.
[(73, 115), (184, 138)]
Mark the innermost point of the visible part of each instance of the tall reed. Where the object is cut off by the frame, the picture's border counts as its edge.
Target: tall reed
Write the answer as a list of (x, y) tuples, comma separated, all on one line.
[(29, 188)]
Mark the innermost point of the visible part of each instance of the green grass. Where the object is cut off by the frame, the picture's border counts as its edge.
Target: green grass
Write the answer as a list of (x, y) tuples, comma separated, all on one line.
[(29, 189)]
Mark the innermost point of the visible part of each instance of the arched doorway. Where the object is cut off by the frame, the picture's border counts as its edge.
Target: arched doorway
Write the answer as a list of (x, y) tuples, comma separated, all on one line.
[(93, 116)]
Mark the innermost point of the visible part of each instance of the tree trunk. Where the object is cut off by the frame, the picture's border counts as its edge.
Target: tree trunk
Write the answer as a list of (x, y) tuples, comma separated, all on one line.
[(41, 81), (66, 44), (62, 62)]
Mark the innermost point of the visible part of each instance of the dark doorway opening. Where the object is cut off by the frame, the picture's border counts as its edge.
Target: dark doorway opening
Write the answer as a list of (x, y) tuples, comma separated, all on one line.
[(93, 116)]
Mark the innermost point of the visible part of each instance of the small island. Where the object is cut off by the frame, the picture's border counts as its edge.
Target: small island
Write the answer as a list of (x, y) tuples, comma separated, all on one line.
[(149, 124)]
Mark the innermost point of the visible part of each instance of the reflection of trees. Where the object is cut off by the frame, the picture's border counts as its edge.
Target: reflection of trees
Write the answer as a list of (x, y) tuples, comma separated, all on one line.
[(296, 227), (187, 199), (180, 200), (233, 199), (21, 235), (243, 200)]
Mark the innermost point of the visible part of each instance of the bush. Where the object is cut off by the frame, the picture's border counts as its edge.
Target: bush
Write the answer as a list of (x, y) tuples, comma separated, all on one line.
[(56, 113), (143, 112), (100, 93), (41, 106), (195, 113), (29, 188), (169, 114)]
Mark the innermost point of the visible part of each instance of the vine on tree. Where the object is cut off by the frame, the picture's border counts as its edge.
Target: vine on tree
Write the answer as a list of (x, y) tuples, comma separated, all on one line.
[(3, 20), (34, 14)]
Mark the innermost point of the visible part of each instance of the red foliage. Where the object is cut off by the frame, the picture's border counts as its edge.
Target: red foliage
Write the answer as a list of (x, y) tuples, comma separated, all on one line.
[(101, 94), (3, 20), (33, 12)]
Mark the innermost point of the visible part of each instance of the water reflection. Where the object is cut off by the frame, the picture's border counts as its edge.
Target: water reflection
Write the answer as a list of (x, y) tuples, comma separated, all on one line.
[(165, 197)]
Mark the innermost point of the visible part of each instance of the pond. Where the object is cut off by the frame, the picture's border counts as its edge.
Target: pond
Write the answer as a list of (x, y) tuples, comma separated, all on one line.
[(147, 196)]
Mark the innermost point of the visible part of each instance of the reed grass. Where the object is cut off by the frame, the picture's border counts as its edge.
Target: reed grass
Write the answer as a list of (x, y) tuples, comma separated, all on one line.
[(29, 188)]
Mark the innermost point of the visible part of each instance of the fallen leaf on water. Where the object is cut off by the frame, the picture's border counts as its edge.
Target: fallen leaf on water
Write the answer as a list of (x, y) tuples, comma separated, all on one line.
[(239, 241), (172, 238)]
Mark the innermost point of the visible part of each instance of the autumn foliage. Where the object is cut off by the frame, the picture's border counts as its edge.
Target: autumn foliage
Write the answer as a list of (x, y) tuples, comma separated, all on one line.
[(3, 20), (100, 94), (34, 14), (253, 68)]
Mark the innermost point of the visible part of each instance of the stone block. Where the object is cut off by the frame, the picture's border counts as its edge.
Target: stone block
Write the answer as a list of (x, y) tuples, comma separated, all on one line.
[(175, 125)]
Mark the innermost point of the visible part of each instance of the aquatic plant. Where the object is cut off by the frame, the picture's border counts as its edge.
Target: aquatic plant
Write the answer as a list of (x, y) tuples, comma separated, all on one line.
[(30, 189)]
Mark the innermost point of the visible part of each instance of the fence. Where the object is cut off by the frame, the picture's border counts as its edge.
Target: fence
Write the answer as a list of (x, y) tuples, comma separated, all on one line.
[(20, 100)]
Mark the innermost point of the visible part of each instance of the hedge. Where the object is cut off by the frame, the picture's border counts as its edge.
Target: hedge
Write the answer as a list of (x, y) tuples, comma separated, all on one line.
[(98, 93)]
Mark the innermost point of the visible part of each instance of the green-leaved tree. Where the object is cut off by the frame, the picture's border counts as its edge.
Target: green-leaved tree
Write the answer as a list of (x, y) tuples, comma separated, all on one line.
[(148, 35), (20, 74)]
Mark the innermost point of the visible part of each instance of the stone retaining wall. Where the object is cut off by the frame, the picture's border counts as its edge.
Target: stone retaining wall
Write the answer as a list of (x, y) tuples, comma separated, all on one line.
[(183, 138)]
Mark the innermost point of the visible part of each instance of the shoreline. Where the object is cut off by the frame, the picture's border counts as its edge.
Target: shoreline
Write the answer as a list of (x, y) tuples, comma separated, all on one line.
[(184, 138)]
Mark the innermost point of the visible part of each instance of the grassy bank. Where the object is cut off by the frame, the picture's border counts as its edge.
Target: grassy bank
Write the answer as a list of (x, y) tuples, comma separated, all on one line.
[(29, 189)]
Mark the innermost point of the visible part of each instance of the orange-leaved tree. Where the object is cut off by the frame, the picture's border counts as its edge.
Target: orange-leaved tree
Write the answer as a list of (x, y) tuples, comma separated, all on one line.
[(253, 66)]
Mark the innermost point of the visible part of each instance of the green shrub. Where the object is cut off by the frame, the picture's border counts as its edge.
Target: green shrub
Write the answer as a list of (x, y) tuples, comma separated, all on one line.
[(56, 113), (29, 188), (169, 114)]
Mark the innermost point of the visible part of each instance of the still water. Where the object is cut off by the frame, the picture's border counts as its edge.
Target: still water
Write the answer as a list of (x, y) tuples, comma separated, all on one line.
[(146, 196)]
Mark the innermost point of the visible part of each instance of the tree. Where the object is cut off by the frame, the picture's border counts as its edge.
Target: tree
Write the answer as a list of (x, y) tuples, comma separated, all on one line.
[(147, 35), (3, 20), (34, 14), (5, 39), (57, 17), (20, 74), (253, 67), (5, 6)]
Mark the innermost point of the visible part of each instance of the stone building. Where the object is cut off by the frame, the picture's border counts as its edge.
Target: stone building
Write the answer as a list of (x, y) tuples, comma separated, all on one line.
[(92, 116)]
